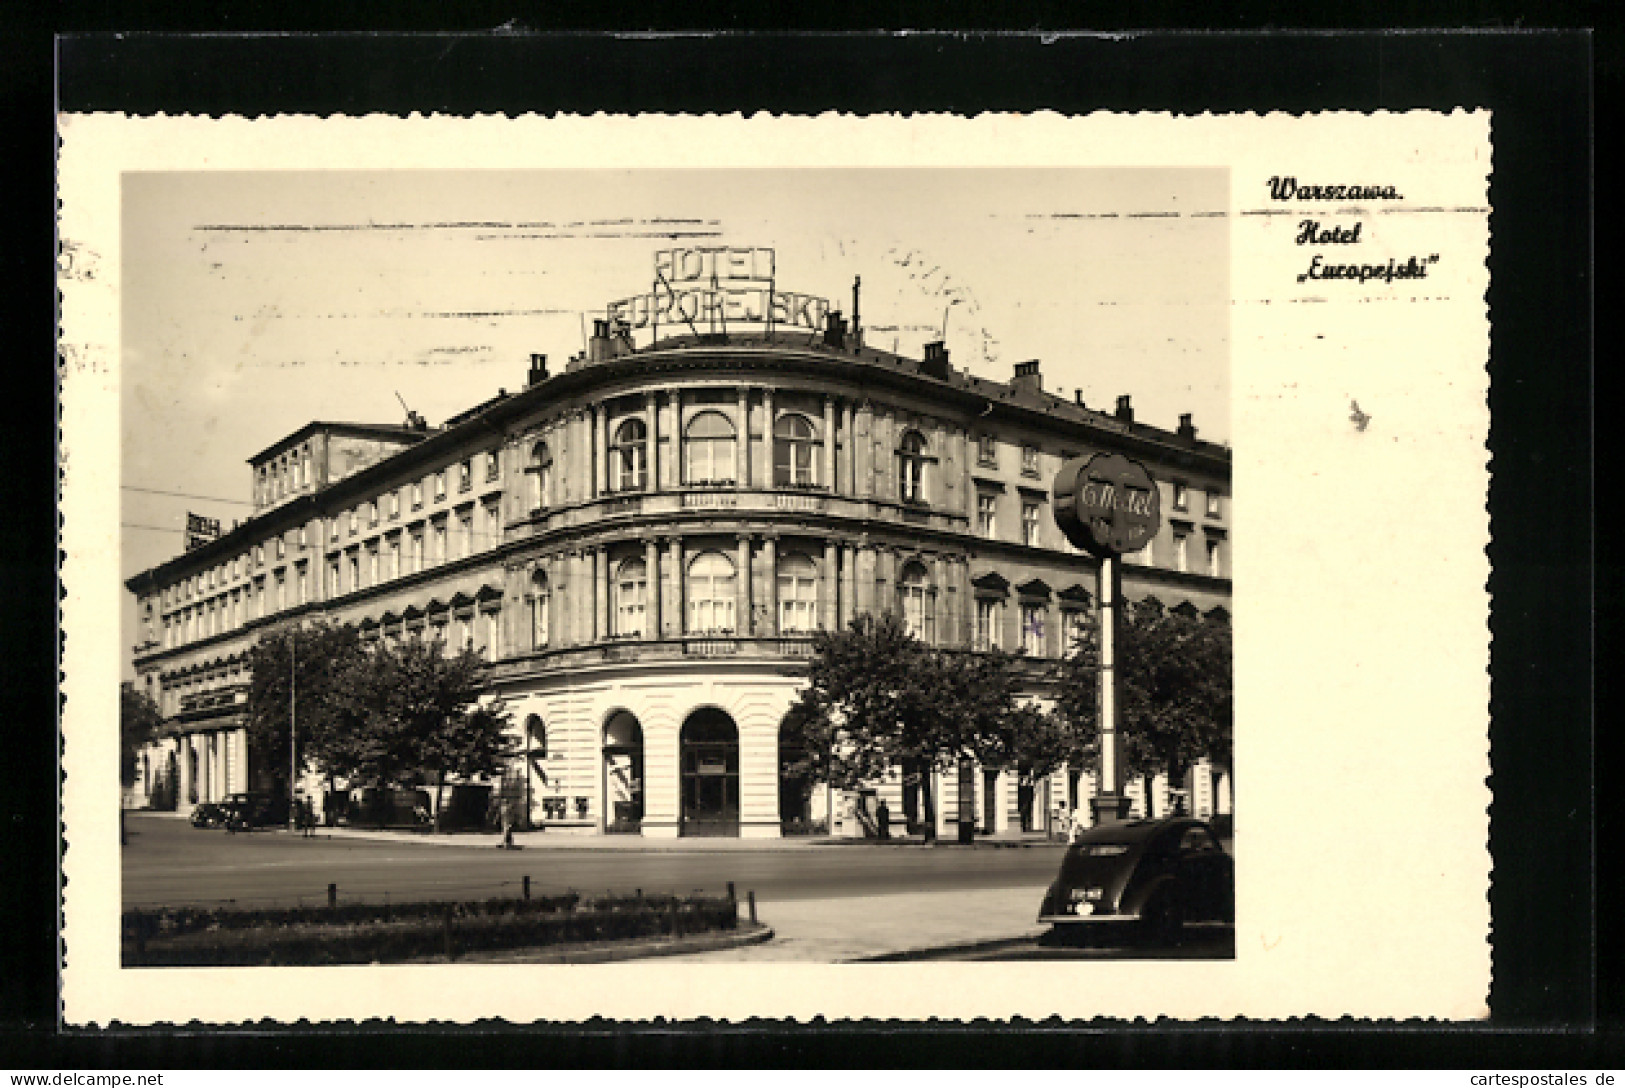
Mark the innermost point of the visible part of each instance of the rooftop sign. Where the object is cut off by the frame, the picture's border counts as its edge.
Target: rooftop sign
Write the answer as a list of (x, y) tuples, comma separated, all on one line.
[(717, 287)]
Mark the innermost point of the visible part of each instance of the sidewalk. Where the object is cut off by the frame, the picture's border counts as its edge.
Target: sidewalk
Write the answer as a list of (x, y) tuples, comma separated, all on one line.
[(543, 840), (857, 928)]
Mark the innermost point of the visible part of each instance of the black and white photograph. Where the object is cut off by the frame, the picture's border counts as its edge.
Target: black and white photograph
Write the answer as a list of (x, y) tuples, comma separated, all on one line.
[(554, 568), (721, 565)]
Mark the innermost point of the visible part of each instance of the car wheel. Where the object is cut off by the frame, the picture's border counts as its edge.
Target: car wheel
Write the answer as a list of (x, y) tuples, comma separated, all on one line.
[(1164, 920)]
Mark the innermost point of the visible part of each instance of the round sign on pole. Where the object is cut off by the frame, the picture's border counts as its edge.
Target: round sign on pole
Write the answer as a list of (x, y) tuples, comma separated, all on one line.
[(1107, 504)]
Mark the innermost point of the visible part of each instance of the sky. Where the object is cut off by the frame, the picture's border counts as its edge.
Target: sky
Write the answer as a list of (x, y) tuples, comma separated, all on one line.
[(253, 303)]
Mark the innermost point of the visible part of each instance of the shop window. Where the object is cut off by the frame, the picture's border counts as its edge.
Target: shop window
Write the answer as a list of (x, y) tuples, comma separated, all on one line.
[(798, 595), (911, 468), (631, 598), (794, 452), (629, 457), (711, 594), (709, 448)]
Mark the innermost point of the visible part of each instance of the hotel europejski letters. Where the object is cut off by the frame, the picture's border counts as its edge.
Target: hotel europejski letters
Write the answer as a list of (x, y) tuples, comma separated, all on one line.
[(642, 544)]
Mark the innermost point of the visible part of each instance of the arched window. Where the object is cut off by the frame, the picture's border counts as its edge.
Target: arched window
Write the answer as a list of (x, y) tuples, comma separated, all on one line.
[(631, 598), (540, 599), (629, 458), (536, 731), (540, 471), (919, 601), (711, 594), (911, 467), (798, 595), (794, 445), (709, 446)]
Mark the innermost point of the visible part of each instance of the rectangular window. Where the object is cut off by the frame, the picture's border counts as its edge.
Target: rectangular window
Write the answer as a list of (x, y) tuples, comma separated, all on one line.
[(493, 464), (372, 514), (281, 548), (987, 450), (493, 635), (1181, 497), (333, 587), (1182, 557), (355, 520), (440, 541), (304, 584), (1074, 630), (493, 529), (417, 495), (465, 475), (355, 572), (333, 529), (1213, 558), (1032, 630), (988, 615), (281, 590), (439, 485), (987, 513), (1029, 460), (372, 564), (1212, 503), (1029, 524)]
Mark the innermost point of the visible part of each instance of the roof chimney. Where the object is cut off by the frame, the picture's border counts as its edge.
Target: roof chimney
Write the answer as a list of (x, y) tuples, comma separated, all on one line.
[(935, 362), (1028, 378), (598, 348), (1187, 429), (1125, 410), (538, 369), (835, 330), (1077, 395)]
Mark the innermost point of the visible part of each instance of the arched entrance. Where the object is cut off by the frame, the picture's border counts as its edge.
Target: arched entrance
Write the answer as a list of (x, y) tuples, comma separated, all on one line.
[(623, 774), (710, 774)]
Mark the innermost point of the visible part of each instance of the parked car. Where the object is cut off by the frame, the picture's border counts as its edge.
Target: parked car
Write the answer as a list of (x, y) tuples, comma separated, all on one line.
[(208, 814), (249, 810), (1150, 875)]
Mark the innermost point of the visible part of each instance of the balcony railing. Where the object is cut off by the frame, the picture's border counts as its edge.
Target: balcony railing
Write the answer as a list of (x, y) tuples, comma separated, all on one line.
[(637, 651)]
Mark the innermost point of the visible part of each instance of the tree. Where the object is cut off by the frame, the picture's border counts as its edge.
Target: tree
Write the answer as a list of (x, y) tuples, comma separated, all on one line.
[(139, 721), (878, 698), (410, 710), (318, 660), (1176, 690)]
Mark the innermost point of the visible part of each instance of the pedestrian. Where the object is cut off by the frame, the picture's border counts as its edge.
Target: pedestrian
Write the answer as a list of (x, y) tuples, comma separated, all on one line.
[(883, 819)]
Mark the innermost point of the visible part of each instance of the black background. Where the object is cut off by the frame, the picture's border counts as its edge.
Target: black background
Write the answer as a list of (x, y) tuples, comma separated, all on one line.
[(1548, 1009)]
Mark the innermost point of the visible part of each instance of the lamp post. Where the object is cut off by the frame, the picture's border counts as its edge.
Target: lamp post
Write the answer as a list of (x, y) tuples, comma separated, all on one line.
[(293, 729), (1108, 505)]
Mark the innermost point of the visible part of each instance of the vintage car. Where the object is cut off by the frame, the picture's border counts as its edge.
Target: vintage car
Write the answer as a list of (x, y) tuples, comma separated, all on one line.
[(1148, 876), (208, 814), (248, 810)]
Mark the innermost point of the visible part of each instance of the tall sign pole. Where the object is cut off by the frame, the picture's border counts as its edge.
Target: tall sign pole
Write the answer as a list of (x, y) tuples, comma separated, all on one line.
[(1107, 505), (293, 730)]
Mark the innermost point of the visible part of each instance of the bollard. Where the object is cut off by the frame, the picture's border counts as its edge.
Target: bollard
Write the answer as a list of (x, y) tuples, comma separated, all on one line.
[(731, 897), (527, 886), (752, 895), (449, 954), (332, 896)]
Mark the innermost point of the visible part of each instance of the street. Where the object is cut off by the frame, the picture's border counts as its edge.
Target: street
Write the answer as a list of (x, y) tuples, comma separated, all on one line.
[(169, 862)]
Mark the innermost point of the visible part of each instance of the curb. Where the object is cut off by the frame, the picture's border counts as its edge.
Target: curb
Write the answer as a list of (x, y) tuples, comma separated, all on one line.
[(993, 944), (645, 948)]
